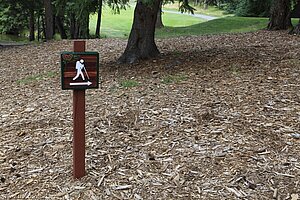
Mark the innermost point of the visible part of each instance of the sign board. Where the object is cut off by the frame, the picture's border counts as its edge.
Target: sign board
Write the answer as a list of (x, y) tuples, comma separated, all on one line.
[(79, 70)]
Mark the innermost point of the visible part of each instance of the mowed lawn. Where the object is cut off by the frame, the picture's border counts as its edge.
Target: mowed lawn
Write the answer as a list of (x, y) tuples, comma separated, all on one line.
[(217, 26), (119, 25)]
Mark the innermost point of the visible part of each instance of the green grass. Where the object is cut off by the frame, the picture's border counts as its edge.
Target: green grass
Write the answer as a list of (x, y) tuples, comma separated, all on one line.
[(174, 79), (129, 83), (119, 25), (217, 26), (211, 10), (13, 38), (33, 78), (113, 25), (177, 20)]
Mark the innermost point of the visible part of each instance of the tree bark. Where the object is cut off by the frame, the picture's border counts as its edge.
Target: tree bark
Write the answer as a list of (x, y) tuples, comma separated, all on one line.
[(100, 2), (48, 20), (38, 27), (74, 27), (141, 44), (159, 23), (60, 26), (31, 25), (43, 25), (280, 15)]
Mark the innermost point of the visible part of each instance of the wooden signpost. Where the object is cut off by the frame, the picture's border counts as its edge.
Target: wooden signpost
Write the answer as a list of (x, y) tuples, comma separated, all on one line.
[(79, 71)]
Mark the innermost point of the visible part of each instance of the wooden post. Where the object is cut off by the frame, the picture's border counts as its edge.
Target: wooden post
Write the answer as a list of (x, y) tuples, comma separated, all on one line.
[(79, 124)]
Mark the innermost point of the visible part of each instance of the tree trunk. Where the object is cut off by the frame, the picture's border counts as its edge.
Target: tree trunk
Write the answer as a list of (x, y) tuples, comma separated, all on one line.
[(159, 23), (72, 25), (100, 2), (60, 26), (48, 20), (205, 5), (74, 28), (84, 26), (31, 25), (141, 44), (280, 15), (43, 26), (38, 27)]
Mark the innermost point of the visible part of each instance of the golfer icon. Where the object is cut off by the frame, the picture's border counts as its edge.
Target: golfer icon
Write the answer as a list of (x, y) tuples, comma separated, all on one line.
[(79, 67)]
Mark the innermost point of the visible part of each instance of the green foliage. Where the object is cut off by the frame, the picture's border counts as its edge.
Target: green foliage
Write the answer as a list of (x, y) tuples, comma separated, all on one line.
[(184, 6), (249, 8), (118, 5), (13, 19), (253, 8), (231, 6), (14, 15)]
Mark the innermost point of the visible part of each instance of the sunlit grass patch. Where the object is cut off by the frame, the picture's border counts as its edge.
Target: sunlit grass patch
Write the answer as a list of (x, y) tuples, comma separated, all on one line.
[(129, 84), (169, 79), (37, 77)]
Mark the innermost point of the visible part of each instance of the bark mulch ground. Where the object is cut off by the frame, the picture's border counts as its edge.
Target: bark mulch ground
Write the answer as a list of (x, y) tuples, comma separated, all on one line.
[(214, 117)]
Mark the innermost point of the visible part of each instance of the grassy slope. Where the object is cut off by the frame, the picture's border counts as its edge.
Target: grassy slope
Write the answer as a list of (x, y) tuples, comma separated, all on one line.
[(212, 11), (119, 25), (221, 25)]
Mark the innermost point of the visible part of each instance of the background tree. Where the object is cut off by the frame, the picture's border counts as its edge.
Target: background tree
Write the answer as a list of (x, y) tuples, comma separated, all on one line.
[(49, 24), (11, 19), (159, 22), (280, 18), (60, 8), (99, 18), (15, 16), (141, 44)]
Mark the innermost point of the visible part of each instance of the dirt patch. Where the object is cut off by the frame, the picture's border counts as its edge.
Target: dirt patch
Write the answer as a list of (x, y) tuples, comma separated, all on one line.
[(214, 117)]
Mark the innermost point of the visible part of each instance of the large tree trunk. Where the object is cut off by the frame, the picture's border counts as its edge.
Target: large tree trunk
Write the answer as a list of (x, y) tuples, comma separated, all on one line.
[(31, 25), (159, 23), (141, 44), (60, 26), (74, 27), (280, 15), (49, 32), (100, 2)]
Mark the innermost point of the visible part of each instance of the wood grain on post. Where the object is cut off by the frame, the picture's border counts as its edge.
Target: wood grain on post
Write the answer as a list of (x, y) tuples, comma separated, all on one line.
[(79, 124)]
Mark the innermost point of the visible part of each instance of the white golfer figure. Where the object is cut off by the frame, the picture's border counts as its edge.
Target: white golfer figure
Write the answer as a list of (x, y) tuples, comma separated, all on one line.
[(79, 67)]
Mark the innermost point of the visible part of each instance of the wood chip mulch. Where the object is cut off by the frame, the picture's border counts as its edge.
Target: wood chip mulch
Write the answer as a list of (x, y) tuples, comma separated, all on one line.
[(214, 117)]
